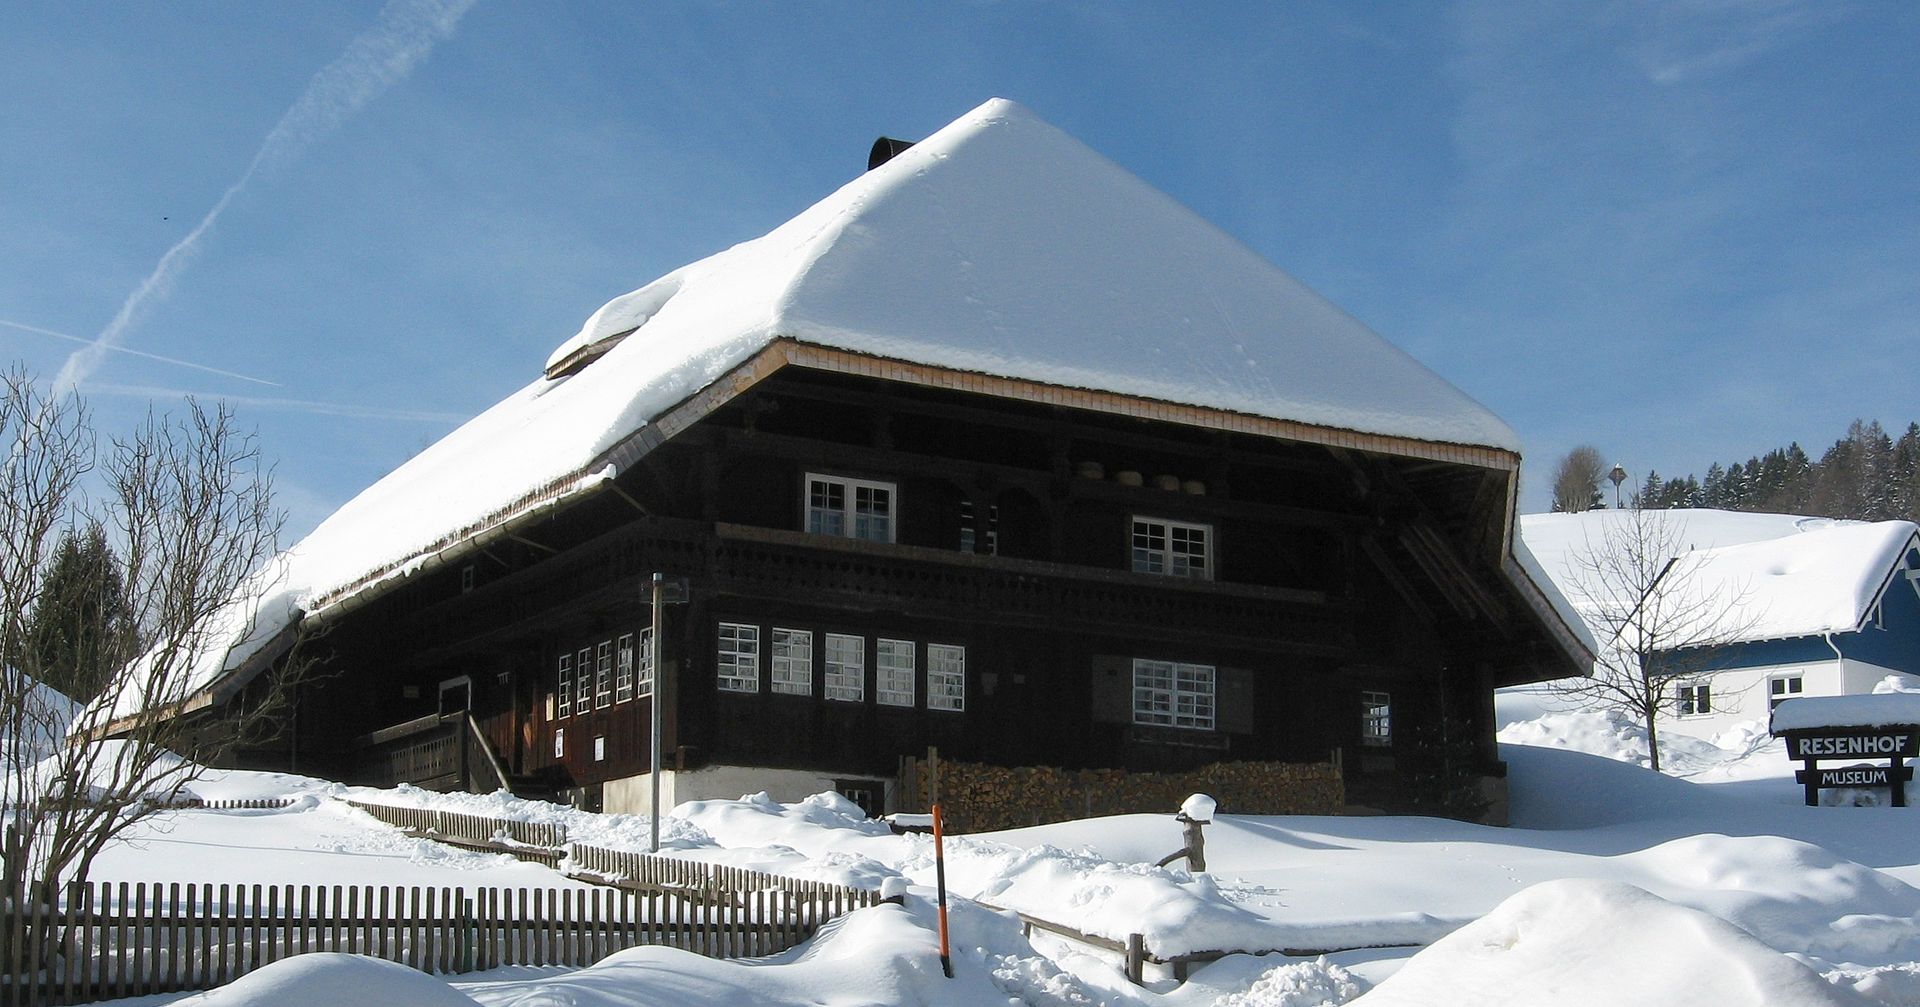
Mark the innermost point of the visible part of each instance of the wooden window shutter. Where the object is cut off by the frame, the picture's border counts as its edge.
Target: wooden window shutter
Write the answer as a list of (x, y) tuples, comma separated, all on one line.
[(1112, 689), (1233, 701)]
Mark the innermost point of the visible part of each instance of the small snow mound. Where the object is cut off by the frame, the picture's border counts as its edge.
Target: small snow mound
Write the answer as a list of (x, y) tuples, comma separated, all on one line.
[(1581, 942), (328, 980), (1896, 683), (1299, 984)]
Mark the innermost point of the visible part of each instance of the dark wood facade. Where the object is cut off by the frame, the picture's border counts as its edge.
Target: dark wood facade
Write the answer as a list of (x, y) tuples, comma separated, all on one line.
[(1335, 571)]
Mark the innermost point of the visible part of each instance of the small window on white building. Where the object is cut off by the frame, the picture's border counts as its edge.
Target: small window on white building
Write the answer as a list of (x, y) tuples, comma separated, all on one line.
[(603, 676), (851, 508), (1782, 688), (846, 674), (1173, 694), (893, 673), (563, 689), (739, 658), (1172, 548), (946, 677), (1376, 718), (791, 667), (1692, 699)]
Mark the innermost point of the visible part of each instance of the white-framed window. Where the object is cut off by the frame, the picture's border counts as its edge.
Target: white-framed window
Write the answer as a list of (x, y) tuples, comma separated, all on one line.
[(603, 676), (599, 748), (851, 508), (970, 530), (893, 672), (563, 689), (946, 677), (1173, 694), (560, 743), (643, 663), (623, 669), (1781, 688), (1691, 699), (846, 672), (791, 665), (1172, 548), (739, 659), (1376, 718), (583, 681)]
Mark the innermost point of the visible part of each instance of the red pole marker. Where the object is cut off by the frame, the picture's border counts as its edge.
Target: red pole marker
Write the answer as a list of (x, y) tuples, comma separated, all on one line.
[(940, 878)]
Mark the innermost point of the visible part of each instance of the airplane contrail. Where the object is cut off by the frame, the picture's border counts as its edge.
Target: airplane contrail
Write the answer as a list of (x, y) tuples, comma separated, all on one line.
[(282, 405), (24, 327), (403, 34)]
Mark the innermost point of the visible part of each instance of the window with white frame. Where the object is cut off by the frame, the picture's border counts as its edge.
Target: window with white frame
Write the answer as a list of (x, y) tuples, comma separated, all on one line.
[(893, 672), (850, 508), (1690, 699), (971, 537), (560, 743), (1782, 688), (643, 663), (739, 657), (623, 669), (1172, 548), (1376, 718), (1173, 694), (791, 665), (603, 676), (846, 671), (583, 681), (946, 677), (563, 689)]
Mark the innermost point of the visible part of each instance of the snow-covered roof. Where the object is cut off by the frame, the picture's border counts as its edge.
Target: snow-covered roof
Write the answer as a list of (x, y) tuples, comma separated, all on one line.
[(1878, 710), (1780, 575), (999, 245), (1824, 580)]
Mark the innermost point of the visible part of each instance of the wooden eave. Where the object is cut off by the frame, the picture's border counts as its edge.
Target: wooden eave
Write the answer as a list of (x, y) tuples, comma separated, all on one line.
[(788, 352)]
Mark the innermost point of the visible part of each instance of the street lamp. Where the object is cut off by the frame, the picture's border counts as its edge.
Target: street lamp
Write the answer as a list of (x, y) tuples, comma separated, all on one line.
[(1618, 476)]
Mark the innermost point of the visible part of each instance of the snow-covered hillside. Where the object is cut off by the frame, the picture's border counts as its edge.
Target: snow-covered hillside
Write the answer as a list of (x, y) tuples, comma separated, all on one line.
[(1615, 886)]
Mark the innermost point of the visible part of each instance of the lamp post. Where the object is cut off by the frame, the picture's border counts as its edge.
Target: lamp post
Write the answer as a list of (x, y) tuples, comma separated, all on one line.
[(1617, 476), (666, 591)]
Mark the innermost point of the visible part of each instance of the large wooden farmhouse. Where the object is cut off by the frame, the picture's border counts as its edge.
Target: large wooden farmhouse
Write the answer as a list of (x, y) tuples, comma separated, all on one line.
[(996, 450)]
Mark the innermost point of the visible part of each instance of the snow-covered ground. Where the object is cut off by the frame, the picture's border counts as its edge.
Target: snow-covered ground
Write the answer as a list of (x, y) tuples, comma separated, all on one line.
[(1615, 886)]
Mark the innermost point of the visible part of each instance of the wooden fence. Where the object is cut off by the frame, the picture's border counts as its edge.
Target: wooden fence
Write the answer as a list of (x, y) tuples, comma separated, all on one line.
[(114, 940), (121, 939)]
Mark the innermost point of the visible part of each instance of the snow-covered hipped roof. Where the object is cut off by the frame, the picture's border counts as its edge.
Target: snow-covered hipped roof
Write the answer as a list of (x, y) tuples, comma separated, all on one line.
[(1780, 575), (998, 245)]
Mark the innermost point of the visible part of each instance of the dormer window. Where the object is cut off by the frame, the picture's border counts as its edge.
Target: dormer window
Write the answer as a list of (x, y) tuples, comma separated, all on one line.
[(1172, 548), (851, 508)]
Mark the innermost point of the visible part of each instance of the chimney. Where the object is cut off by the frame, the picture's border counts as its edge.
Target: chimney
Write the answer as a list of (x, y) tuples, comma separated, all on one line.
[(884, 150)]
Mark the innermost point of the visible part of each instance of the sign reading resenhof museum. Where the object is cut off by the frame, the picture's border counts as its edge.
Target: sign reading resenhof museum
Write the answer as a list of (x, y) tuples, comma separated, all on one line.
[(1893, 742)]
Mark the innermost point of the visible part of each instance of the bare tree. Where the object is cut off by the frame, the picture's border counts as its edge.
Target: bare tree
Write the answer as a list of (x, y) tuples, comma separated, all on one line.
[(186, 503), (1659, 614), (1576, 480)]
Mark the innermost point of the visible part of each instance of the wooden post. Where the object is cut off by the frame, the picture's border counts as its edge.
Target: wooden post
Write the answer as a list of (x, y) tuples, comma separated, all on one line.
[(1136, 959), (940, 876)]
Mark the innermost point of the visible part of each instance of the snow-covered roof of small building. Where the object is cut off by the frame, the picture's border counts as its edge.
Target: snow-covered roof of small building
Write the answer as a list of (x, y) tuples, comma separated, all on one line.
[(999, 245), (1878, 710), (1771, 576)]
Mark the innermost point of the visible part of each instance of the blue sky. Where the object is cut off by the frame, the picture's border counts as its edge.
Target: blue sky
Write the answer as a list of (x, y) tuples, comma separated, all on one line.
[(1684, 232)]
